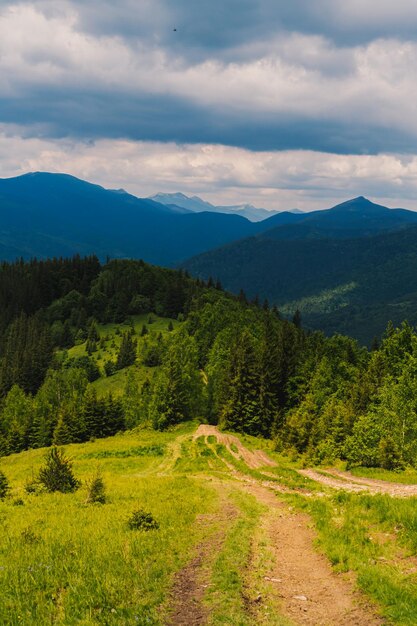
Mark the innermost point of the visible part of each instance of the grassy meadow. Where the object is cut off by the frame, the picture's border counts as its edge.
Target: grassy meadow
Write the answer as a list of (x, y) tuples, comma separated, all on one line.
[(108, 346), (63, 561)]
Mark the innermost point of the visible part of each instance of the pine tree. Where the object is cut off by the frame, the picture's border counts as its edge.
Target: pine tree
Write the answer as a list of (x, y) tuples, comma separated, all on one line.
[(241, 412), (131, 401), (57, 474), (62, 433), (96, 491), (127, 351), (93, 414), (177, 390), (4, 486)]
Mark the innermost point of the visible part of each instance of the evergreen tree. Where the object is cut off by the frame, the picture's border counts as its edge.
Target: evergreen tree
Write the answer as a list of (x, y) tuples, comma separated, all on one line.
[(4, 486), (127, 351), (242, 410), (131, 401), (296, 320), (96, 491), (57, 473), (16, 418), (177, 390)]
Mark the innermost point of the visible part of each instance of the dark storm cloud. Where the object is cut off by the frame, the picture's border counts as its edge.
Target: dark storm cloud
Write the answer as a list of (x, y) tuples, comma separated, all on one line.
[(263, 75), (216, 25), (150, 118)]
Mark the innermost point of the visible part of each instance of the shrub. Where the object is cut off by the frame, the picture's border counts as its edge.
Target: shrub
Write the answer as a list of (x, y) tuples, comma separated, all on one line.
[(33, 486), (141, 520), (4, 486), (57, 474), (96, 491)]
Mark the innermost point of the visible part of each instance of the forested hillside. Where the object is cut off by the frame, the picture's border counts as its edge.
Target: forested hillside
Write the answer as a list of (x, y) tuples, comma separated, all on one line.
[(89, 350), (351, 286)]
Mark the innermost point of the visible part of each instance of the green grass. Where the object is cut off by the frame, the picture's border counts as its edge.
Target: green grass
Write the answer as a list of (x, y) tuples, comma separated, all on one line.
[(65, 562), (113, 333), (227, 594)]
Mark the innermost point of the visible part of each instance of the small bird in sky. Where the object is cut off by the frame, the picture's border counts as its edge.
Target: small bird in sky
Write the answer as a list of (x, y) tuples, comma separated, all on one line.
[(175, 30)]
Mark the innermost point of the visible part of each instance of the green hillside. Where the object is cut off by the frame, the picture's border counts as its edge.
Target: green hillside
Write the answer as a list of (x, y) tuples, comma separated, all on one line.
[(352, 286)]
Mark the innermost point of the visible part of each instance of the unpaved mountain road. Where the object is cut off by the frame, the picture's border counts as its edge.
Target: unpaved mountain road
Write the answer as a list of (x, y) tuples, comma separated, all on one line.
[(302, 584), (346, 481)]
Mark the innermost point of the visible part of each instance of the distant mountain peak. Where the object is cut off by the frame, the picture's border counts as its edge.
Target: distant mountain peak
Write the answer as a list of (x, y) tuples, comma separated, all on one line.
[(359, 203), (198, 205)]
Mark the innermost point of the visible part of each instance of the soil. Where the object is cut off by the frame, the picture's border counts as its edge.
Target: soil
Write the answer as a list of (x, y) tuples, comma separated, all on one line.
[(307, 590), (254, 460)]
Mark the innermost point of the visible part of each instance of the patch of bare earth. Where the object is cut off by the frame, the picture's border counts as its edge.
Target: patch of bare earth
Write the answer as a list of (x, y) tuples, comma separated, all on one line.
[(344, 480), (190, 583), (254, 460)]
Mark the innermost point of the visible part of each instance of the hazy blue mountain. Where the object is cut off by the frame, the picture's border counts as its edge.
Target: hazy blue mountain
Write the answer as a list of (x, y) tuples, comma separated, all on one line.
[(355, 218), (198, 205), (46, 214)]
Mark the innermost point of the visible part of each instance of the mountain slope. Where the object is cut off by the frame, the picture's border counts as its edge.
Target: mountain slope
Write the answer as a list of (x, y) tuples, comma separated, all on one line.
[(55, 214), (352, 286), (358, 217)]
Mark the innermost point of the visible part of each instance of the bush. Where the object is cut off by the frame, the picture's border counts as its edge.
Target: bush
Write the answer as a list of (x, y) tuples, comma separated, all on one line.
[(4, 486), (96, 491), (33, 486), (141, 520), (57, 474)]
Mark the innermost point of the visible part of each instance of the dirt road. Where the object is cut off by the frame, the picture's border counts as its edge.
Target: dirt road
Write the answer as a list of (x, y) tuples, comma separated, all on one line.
[(346, 481), (301, 581)]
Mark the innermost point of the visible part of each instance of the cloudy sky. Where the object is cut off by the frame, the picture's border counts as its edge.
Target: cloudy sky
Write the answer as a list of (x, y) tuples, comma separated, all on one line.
[(280, 103)]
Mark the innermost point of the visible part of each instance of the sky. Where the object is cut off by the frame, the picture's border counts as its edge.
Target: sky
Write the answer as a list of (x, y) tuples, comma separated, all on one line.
[(277, 103)]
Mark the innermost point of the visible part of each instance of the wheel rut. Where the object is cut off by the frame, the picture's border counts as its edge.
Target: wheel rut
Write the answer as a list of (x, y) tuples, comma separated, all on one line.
[(346, 481)]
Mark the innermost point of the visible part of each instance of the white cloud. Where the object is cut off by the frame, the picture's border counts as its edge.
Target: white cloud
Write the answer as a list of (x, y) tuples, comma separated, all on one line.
[(223, 175)]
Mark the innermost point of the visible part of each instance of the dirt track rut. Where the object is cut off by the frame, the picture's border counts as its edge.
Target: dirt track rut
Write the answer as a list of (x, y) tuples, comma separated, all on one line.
[(346, 481)]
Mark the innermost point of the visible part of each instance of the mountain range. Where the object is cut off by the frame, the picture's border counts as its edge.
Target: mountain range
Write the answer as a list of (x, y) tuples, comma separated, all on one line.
[(46, 214), (348, 269), (197, 205)]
